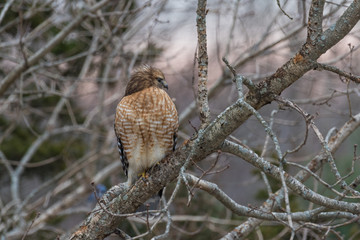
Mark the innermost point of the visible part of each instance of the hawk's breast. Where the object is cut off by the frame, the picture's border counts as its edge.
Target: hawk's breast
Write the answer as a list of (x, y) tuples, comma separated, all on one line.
[(146, 122)]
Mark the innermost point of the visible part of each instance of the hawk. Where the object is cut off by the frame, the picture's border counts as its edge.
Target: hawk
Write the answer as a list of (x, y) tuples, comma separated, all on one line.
[(146, 122)]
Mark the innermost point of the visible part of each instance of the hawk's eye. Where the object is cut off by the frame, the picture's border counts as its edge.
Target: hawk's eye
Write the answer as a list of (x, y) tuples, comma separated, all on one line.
[(162, 82)]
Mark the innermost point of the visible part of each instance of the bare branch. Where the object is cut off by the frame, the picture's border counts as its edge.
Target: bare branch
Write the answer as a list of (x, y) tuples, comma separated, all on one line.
[(321, 66), (202, 64), (282, 10), (5, 8)]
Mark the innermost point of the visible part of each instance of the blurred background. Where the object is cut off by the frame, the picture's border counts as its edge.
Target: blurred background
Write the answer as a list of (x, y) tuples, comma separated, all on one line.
[(56, 119)]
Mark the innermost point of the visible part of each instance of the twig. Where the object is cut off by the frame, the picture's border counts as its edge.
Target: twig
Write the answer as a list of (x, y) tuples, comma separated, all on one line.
[(348, 98), (282, 10), (168, 224), (231, 32), (266, 143), (331, 161), (307, 118), (22, 33), (147, 216), (36, 164), (121, 234), (180, 179), (204, 173), (159, 220), (28, 229), (237, 78), (325, 98), (352, 170), (350, 76), (5, 8)]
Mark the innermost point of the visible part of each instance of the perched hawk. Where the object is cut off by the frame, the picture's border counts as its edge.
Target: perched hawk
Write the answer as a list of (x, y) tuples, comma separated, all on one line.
[(146, 122)]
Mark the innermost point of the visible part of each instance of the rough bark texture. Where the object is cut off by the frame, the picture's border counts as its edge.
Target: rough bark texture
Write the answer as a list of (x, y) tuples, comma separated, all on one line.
[(202, 63)]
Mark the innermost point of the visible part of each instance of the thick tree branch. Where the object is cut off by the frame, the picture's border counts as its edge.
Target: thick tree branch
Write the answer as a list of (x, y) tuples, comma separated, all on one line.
[(221, 81), (315, 20), (302, 61)]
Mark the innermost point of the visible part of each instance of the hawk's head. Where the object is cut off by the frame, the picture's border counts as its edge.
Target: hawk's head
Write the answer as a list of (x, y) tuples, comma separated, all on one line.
[(145, 77)]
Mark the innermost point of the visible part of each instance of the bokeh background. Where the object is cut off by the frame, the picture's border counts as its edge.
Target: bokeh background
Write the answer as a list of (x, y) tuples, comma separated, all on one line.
[(56, 120)]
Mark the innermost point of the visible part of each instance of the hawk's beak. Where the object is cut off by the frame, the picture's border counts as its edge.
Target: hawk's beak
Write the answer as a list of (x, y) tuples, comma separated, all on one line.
[(165, 85)]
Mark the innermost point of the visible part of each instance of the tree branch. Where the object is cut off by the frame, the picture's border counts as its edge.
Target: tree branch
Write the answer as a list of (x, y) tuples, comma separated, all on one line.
[(315, 21), (202, 98), (321, 66)]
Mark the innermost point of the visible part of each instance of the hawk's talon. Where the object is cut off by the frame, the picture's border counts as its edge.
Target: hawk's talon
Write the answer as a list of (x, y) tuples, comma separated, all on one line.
[(144, 175)]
